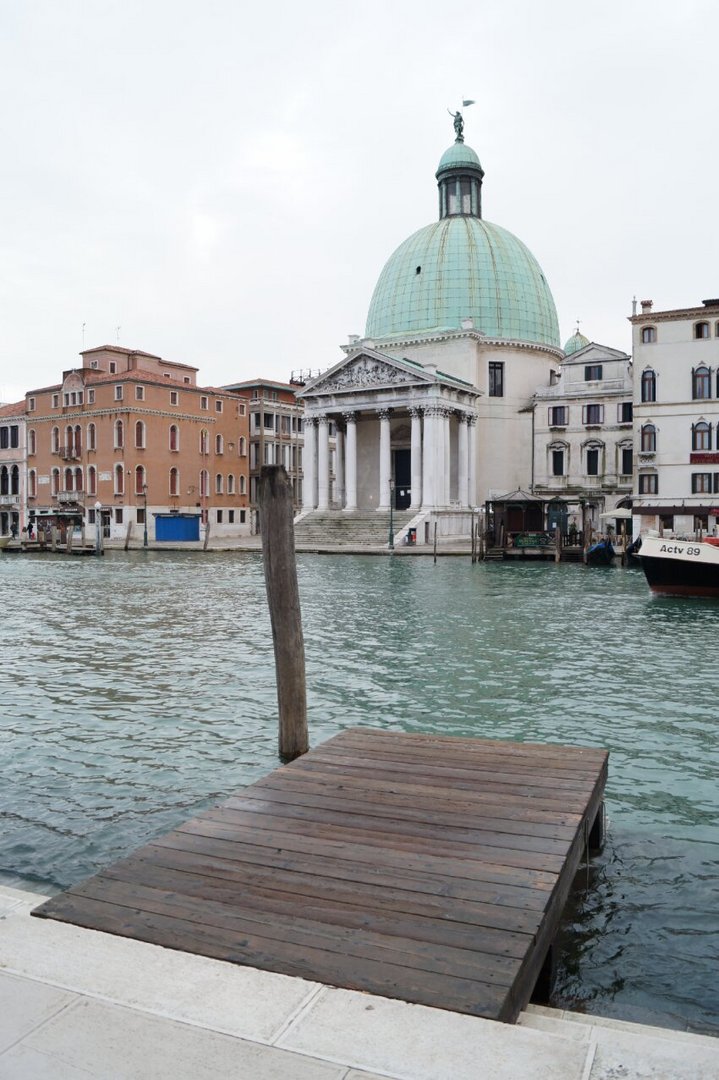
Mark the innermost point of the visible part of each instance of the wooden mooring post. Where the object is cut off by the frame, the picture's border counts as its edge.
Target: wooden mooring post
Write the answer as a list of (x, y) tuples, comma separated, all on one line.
[(283, 598)]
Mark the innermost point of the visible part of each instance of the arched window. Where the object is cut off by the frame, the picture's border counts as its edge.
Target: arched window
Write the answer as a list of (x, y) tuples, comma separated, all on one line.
[(648, 440), (32, 484), (68, 479), (701, 436), (119, 434), (701, 330), (91, 480), (204, 483), (78, 479), (701, 383), (69, 439), (649, 385), (31, 441), (594, 459), (15, 480), (230, 484), (91, 437), (204, 441), (55, 481), (55, 440), (174, 482), (4, 480), (219, 445), (77, 440), (119, 480), (174, 437), (219, 484), (649, 334), (242, 446), (140, 482), (140, 435), (243, 485)]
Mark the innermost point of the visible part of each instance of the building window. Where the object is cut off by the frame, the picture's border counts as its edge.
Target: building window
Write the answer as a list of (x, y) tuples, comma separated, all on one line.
[(593, 461), (186, 379), (118, 515), (496, 378), (174, 397), (219, 444), (119, 435), (54, 481), (230, 484), (592, 372), (56, 401), (649, 335), (204, 483), (242, 446), (174, 482), (140, 482), (140, 435), (204, 441), (242, 408), (204, 402), (31, 404), (557, 463), (91, 480), (174, 437), (701, 483), (627, 461), (625, 412), (649, 385), (219, 484), (701, 383), (558, 416), (269, 421), (648, 439), (230, 517), (113, 367), (32, 484), (91, 437), (243, 516), (219, 517), (119, 480), (31, 441), (139, 393), (701, 330), (218, 405), (91, 397), (701, 436), (243, 485), (118, 393), (648, 484), (592, 415)]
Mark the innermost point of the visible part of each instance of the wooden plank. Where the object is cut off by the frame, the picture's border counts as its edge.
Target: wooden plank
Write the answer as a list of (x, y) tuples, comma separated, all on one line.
[(427, 868)]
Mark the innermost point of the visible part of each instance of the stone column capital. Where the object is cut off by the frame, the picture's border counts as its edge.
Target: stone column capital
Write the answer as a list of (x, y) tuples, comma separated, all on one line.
[(323, 418), (383, 414), (349, 417), (415, 411)]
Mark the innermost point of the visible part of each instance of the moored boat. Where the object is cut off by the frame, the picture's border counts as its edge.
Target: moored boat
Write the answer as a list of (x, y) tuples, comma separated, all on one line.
[(600, 554), (679, 567)]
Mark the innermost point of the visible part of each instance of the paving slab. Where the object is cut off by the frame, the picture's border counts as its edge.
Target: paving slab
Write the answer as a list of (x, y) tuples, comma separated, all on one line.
[(107, 1041), (619, 1054), (24, 1005), (228, 998), (415, 1042)]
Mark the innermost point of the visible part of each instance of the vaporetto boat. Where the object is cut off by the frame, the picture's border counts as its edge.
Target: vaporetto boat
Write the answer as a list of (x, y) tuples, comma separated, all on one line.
[(679, 567)]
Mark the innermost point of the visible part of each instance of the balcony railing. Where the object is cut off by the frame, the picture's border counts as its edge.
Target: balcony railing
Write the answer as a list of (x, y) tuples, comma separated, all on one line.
[(70, 496), (69, 453)]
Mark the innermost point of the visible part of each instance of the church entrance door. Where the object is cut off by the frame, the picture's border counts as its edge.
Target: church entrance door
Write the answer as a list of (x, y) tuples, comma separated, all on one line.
[(402, 478)]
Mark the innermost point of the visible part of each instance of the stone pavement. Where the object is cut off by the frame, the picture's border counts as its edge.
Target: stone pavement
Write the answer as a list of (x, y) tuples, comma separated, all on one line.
[(80, 1005)]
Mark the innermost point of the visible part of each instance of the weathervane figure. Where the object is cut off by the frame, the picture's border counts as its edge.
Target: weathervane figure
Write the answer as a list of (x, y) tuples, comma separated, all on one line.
[(459, 120)]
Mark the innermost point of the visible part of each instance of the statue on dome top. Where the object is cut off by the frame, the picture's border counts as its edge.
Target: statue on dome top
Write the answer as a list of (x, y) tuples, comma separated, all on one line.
[(458, 125)]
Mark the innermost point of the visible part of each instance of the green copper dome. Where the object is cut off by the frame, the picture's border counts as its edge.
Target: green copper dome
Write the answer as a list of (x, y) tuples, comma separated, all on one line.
[(459, 156), (576, 342), (463, 267)]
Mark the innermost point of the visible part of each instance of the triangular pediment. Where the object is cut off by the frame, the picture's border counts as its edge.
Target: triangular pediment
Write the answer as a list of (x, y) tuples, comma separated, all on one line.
[(595, 354), (368, 369)]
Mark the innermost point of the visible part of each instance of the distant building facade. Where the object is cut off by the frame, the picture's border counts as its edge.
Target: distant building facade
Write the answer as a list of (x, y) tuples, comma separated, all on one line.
[(13, 469), (676, 393), (583, 434), (133, 438)]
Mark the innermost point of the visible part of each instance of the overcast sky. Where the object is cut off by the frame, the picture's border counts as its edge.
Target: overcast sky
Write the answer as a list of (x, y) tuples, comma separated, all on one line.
[(223, 181)]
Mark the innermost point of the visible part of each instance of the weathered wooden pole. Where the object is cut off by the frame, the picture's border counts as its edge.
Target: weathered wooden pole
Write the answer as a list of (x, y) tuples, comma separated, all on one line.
[(557, 543), (283, 598)]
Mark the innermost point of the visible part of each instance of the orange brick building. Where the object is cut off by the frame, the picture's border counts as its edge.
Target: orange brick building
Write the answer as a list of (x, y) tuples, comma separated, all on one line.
[(133, 437)]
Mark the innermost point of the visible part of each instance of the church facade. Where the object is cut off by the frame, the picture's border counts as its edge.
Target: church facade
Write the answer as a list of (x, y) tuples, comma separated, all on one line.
[(433, 405)]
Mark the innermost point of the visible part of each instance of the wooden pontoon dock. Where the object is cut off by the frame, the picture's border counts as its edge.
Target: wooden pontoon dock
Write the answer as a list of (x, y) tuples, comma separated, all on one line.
[(427, 868)]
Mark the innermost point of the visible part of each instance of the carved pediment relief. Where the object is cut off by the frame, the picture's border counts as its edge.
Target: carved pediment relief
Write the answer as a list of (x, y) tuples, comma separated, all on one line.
[(364, 372)]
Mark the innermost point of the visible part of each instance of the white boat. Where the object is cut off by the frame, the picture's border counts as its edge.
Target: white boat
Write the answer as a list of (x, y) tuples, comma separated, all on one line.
[(681, 567)]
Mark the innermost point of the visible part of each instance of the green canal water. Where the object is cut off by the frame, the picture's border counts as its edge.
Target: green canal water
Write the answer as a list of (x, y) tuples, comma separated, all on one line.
[(139, 688)]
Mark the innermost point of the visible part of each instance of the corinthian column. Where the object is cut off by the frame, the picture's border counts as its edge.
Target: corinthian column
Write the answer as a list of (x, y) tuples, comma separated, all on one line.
[(339, 495), (462, 461), (416, 456), (428, 457), (323, 463), (385, 462), (472, 461), (309, 458), (351, 462)]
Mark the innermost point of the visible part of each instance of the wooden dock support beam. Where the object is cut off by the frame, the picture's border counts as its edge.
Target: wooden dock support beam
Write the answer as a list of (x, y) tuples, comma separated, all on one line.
[(283, 598)]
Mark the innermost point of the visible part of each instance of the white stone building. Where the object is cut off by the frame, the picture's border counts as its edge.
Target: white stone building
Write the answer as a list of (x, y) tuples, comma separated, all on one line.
[(583, 435), (676, 417), (13, 469)]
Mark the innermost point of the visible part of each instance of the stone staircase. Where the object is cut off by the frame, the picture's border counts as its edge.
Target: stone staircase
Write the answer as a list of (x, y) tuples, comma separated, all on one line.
[(349, 528)]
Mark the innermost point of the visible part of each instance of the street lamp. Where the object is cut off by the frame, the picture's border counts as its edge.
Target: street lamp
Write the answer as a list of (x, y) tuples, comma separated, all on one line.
[(144, 535), (391, 515)]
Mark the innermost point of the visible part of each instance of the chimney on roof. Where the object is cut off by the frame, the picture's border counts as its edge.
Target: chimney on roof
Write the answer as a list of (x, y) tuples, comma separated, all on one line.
[(353, 339), (646, 306)]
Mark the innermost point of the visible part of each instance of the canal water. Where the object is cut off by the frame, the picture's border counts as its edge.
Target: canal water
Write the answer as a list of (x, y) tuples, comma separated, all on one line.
[(139, 688)]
